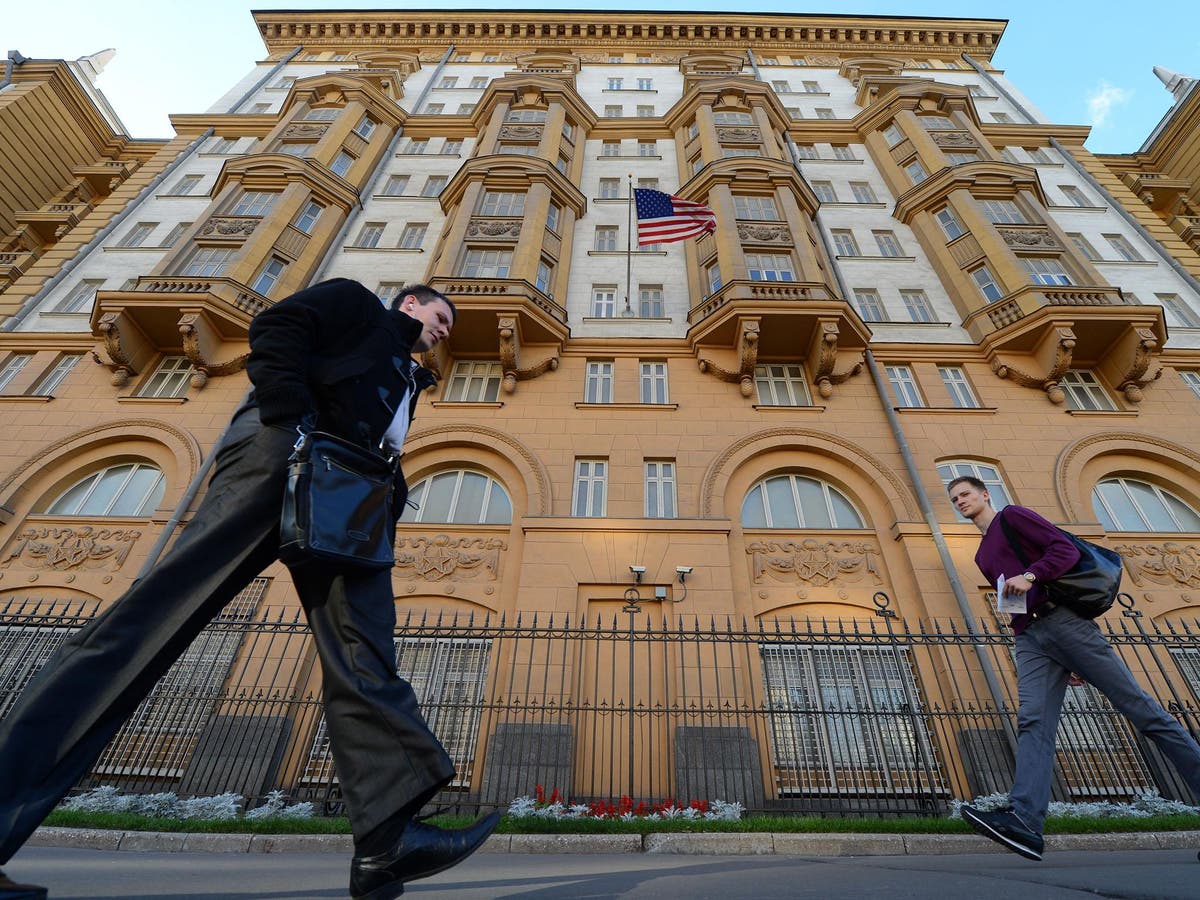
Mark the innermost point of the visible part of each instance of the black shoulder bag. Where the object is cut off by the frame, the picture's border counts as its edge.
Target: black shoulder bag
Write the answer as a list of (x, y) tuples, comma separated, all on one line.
[(337, 507), (1089, 588)]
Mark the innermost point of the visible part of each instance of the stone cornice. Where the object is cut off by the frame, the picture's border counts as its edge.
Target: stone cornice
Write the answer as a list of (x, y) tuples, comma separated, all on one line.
[(281, 30), (982, 179), (749, 172), (502, 170), (271, 171)]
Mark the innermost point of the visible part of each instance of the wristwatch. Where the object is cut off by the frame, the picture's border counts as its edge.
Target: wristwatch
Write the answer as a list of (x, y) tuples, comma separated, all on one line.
[(1029, 576)]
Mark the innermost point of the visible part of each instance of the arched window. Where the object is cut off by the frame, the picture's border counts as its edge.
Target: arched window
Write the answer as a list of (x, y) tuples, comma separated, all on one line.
[(1124, 504), (459, 497), (989, 475), (796, 501), (127, 489)]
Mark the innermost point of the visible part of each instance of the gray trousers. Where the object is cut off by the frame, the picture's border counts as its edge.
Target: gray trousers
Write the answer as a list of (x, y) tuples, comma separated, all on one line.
[(387, 759), (1047, 652)]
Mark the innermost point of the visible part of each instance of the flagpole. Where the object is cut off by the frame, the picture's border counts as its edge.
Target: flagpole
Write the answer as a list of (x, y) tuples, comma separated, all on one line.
[(628, 311)]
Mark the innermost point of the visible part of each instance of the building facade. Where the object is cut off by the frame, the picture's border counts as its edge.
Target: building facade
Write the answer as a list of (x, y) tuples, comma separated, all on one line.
[(915, 275)]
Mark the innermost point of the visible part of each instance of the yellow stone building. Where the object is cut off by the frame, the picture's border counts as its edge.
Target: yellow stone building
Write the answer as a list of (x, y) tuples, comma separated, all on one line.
[(682, 526)]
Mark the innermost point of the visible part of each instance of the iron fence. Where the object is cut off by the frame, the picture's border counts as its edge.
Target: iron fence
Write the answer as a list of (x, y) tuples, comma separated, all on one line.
[(867, 716)]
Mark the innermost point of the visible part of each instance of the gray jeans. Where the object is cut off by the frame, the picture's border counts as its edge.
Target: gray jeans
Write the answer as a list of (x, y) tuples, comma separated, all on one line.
[(1047, 652)]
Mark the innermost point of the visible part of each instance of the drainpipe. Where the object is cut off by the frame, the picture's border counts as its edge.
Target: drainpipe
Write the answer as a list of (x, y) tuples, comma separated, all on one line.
[(13, 60), (270, 74), (366, 192), (86, 250), (1087, 176)]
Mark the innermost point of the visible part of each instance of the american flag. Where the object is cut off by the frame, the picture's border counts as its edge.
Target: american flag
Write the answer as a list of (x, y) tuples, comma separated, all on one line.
[(663, 218)]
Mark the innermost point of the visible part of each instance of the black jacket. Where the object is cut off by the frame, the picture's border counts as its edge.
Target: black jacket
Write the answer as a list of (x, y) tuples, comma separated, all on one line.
[(335, 351)]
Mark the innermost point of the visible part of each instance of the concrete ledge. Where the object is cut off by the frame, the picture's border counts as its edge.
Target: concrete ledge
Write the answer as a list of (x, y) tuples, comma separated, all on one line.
[(79, 838), (157, 841), (838, 844), (1178, 840), (575, 843), (302, 843), (217, 843), (947, 844), (1130, 840), (726, 844)]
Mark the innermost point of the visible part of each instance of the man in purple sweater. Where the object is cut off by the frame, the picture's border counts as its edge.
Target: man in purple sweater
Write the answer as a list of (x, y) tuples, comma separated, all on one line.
[(1052, 643)]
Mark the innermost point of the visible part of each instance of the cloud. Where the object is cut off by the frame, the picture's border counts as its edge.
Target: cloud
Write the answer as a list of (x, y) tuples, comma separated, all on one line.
[(1103, 100)]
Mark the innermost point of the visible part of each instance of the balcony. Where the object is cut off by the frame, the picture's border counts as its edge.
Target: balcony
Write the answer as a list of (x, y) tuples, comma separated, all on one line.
[(1189, 229), (1159, 192), (104, 177), (53, 220), (14, 263)]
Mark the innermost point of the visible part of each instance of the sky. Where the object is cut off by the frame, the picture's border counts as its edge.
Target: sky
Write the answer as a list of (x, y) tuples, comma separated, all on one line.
[(1079, 62)]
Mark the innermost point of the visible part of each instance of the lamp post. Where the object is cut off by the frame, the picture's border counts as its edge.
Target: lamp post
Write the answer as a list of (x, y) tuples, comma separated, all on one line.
[(632, 601)]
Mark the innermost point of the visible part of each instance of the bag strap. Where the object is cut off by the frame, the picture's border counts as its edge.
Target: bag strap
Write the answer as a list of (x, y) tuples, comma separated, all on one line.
[(1012, 540)]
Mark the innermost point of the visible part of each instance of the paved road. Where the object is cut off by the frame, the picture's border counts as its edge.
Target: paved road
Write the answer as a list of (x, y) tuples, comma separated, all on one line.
[(102, 875)]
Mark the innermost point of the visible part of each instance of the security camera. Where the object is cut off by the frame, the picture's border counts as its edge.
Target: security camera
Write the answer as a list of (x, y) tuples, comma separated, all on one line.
[(683, 570), (638, 572)]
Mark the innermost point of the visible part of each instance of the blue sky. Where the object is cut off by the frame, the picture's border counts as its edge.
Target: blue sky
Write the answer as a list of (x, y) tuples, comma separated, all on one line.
[(1079, 62)]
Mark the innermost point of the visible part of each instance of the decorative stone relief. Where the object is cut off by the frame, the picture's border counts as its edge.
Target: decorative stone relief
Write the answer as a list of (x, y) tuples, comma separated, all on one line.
[(494, 228), (953, 139), (62, 548), (521, 132), (229, 225), (1025, 238), (304, 130), (814, 562), (778, 234), (446, 558), (739, 135), (1168, 563)]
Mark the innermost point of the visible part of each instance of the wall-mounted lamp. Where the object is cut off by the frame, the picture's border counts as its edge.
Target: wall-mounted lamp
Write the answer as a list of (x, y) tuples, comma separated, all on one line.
[(638, 572)]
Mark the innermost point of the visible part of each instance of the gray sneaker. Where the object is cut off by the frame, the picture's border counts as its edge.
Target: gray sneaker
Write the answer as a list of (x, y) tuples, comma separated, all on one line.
[(1005, 827)]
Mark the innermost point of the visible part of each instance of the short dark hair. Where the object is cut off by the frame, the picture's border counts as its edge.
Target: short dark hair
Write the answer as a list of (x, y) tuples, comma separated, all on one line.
[(969, 479), (424, 294)]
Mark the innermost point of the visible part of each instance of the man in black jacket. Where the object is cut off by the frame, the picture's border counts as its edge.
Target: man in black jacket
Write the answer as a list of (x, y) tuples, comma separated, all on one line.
[(333, 357)]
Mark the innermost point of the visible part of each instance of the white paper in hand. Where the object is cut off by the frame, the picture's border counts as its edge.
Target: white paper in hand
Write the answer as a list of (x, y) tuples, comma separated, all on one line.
[(1014, 603)]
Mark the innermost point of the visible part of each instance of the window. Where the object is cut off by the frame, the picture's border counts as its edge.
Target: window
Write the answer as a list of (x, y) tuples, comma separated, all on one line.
[(451, 148), (433, 185), (365, 127), (653, 381), (389, 291), (269, 275), (782, 87), (976, 91), (465, 109), (527, 116), (308, 217), (369, 235), (1074, 195), (887, 243), (177, 231), (825, 113), (18, 361), (259, 108), (395, 185), (1088, 251), (137, 235), (300, 150), (285, 82), (918, 306), (750, 207), (844, 243), (1190, 377), (949, 222), (650, 301), (447, 82), (893, 135), (961, 158), (811, 87), (413, 235), (770, 267), (1046, 270), (1179, 310), (1127, 504), (904, 387), (545, 274), (221, 146), (734, 152), (474, 382), (824, 191), (1084, 392), (606, 238), (326, 114), (491, 57), (518, 149), (610, 188), (80, 298), (553, 214), (49, 383), (1124, 249), (648, 184), (806, 151), (781, 384), (660, 489), (870, 306), (713, 277), (460, 497), (957, 386), (1006, 154), (479, 82), (208, 262), (645, 111), (487, 263), (434, 109), (1003, 212), (937, 123), (127, 489), (613, 111), (188, 184), (1002, 117), (591, 483), (863, 192), (254, 203), (988, 474), (610, 148), (416, 147), (793, 112), (645, 84), (170, 378), (615, 84), (342, 163), (647, 148), (916, 171), (728, 117), (604, 302), (1039, 154), (986, 284), (797, 501)]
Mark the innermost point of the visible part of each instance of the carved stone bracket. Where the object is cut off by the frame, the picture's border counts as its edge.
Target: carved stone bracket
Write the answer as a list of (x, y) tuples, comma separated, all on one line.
[(1146, 350), (747, 359), (509, 355), (202, 368), (122, 367), (1064, 349), (827, 353)]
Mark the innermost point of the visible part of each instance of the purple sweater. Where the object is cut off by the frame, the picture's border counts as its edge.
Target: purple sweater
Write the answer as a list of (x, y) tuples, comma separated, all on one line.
[(1049, 553)]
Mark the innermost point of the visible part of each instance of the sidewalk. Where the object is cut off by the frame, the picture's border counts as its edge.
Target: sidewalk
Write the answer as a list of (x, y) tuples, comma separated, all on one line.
[(742, 844)]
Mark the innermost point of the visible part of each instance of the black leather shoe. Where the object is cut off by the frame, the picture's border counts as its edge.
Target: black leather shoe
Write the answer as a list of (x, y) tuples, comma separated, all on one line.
[(422, 850), (10, 890)]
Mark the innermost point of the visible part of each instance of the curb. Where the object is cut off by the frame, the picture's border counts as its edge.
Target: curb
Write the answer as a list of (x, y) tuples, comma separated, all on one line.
[(727, 844)]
